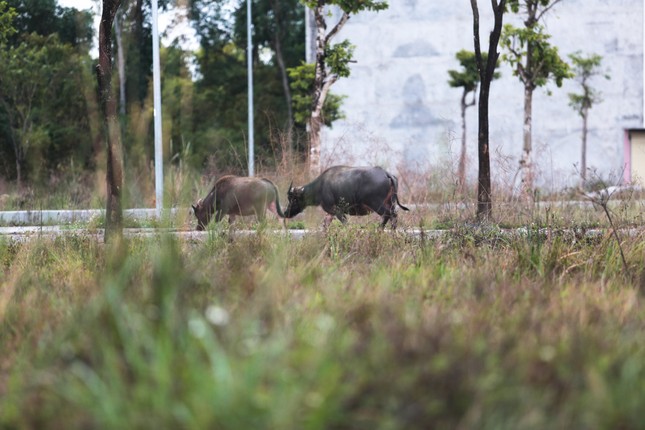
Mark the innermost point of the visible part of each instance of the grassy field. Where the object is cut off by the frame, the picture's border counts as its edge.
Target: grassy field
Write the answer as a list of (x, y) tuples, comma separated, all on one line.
[(354, 328)]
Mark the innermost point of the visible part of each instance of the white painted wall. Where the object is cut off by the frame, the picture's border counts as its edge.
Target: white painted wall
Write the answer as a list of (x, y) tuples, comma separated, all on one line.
[(400, 110)]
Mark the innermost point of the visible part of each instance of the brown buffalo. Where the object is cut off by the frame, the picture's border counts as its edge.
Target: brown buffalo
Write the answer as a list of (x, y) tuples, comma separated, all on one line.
[(237, 195)]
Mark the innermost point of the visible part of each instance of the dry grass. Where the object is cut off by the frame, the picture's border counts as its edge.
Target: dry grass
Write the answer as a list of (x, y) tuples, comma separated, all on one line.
[(351, 328)]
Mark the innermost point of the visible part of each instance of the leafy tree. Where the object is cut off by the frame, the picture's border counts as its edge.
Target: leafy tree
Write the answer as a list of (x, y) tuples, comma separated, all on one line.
[(486, 75), (302, 85), (45, 17), (44, 116), (135, 21), (535, 62), (467, 78), (7, 15), (178, 96), (584, 69), (114, 177), (220, 96), (45, 112), (132, 46), (220, 100), (278, 27), (332, 62)]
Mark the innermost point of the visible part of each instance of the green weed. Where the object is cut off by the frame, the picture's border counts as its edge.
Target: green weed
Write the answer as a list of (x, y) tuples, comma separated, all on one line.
[(354, 327)]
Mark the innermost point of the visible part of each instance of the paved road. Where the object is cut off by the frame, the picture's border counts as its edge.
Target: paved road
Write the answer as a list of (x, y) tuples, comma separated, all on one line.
[(33, 232), (23, 234), (51, 217)]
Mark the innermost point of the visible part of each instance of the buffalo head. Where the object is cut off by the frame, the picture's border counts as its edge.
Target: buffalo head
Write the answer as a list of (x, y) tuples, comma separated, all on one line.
[(203, 213), (296, 198)]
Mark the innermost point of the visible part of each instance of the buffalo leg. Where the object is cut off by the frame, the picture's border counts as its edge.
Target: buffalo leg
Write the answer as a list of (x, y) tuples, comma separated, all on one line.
[(386, 218), (388, 213), (260, 213), (327, 221), (218, 215), (393, 220)]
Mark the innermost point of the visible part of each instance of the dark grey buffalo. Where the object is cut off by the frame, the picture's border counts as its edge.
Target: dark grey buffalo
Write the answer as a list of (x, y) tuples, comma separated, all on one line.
[(237, 195), (343, 190)]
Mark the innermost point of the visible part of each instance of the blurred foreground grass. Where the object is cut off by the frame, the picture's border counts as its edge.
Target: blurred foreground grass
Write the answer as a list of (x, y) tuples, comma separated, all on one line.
[(352, 329)]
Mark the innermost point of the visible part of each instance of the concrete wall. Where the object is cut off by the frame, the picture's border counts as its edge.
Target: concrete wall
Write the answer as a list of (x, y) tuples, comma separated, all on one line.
[(400, 111)]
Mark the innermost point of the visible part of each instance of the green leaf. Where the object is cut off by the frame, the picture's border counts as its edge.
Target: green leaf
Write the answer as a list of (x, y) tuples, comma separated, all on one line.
[(533, 59), (302, 85), (468, 77)]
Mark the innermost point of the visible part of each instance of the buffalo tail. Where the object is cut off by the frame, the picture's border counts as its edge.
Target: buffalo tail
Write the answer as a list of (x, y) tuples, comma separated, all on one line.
[(395, 185)]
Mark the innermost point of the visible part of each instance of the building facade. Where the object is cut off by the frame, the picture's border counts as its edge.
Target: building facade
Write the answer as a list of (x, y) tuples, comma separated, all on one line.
[(401, 112)]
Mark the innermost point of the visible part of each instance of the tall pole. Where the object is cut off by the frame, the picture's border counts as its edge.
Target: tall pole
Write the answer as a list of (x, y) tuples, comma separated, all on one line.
[(249, 63), (156, 85)]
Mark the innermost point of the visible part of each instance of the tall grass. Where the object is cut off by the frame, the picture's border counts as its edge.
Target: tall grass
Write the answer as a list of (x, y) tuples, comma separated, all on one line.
[(353, 328)]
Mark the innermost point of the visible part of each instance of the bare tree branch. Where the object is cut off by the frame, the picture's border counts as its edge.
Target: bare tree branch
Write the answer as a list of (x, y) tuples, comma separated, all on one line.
[(546, 9), (478, 51), (337, 28)]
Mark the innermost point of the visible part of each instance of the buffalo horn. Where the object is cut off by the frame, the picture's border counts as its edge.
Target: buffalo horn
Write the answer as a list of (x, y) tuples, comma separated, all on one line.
[(290, 186)]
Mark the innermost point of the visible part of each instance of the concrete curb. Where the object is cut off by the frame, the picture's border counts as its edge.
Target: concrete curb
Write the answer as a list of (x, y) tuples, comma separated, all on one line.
[(46, 217), (49, 217), (25, 234)]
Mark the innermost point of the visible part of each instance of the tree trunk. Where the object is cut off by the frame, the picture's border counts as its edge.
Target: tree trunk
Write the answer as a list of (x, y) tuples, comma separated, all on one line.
[(315, 127), (461, 169), (120, 60), (315, 122), (18, 167), (583, 161), (526, 164), (484, 203), (17, 146), (114, 177), (322, 84), (283, 69), (486, 72)]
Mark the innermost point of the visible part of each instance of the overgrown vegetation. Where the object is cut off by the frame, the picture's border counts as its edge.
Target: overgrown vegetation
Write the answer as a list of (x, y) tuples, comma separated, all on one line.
[(50, 127), (354, 328)]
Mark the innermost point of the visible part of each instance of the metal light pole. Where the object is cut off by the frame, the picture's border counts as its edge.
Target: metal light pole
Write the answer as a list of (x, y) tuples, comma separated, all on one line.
[(156, 85), (249, 61)]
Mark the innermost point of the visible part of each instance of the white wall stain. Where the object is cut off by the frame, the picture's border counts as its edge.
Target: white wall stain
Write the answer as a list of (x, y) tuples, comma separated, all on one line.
[(399, 91)]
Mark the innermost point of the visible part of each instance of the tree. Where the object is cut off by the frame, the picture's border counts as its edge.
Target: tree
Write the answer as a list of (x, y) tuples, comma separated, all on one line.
[(220, 96), (134, 21), (7, 15), (486, 75), (35, 76), (468, 78), (45, 17), (178, 95), (279, 26), (114, 177), (44, 117), (585, 68), (535, 62), (332, 62), (302, 88)]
